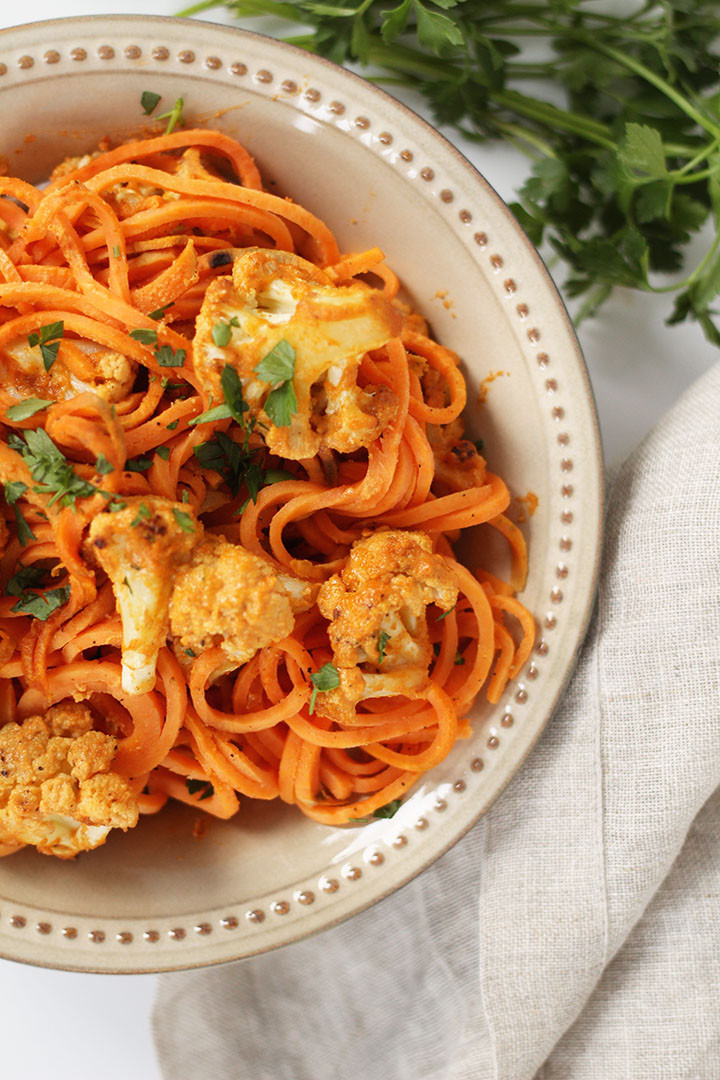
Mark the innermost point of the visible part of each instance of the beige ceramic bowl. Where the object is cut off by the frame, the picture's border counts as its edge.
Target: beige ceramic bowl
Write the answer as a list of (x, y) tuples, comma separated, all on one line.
[(157, 899)]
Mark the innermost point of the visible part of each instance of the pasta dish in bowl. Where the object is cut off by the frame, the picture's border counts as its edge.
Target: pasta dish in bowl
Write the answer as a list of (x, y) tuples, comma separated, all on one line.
[(252, 556)]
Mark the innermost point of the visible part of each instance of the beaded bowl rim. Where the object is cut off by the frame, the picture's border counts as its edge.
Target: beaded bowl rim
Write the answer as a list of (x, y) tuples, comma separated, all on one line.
[(268, 913)]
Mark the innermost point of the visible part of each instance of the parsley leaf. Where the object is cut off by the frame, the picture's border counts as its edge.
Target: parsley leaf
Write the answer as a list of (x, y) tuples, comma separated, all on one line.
[(27, 408), (278, 365), (23, 578), (42, 605), (184, 520), (50, 468), (174, 116), (142, 515), (382, 642), (46, 337), (281, 405), (171, 427), (326, 678), (159, 312), (166, 357), (103, 466), (388, 810), (446, 613), (163, 452), (14, 490), (222, 332), (145, 337), (149, 101), (138, 464)]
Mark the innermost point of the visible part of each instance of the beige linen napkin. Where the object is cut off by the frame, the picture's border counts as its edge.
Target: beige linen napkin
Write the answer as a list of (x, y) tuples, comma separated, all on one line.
[(575, 931)]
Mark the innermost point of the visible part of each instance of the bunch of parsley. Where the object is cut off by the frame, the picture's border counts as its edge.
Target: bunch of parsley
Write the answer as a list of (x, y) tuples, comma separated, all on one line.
[(625, 169)]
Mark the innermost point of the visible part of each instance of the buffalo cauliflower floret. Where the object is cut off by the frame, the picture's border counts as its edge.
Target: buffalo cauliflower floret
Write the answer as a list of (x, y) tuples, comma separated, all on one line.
[(138, 548), (81, 366), (276, 296), (57, 791), (229, 597), (377, 611)]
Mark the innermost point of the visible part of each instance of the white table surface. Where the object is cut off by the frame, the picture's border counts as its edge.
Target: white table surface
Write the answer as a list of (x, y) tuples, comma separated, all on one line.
[(77, 1027)]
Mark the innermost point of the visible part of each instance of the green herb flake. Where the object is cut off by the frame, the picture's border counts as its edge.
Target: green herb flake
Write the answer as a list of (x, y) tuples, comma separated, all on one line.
[(281, 405), (127, 584), (171, 427), (184, 520), (222, 334), (14, 490), (53, 473), (47, 337), (27, 408), (142, 515), (116, 251), (42, 605), (159, 312), (167, 357), (203, 788), (138, 464), (103, 466), (326, 678), (145, 337), (459, 660), (174, 116), (24, 578), (163, 452), (388, 810), (278, 365), (149, 101), (190, 652), (446, 613), (383, 639)]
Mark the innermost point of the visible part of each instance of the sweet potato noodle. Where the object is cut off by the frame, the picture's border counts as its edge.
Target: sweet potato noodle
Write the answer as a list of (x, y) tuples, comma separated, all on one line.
[(106, 274)]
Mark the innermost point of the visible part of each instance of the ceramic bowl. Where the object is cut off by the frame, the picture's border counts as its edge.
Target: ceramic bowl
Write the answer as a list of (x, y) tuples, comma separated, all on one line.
[(157, 898)]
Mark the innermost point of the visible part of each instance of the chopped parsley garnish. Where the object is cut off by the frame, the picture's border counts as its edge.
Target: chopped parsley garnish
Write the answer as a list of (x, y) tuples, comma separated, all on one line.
[(171, 427), (149, 101), (116, 251), (167, 357), (382, 642), (479, 445), (14, 490), (200, 787), (276, 476), (159, 312), (446, 613), (103, 466), (222, 332), (184, 520), (190, 652), (388, 810), (141, 515), (115, 506), (278, 369), (27, 408), (145, 337), (24, 578), (50, 468), (327, 678), (42, 605), (163, 452), (459, 660), (174, 116), (48, 338), (138, 464)]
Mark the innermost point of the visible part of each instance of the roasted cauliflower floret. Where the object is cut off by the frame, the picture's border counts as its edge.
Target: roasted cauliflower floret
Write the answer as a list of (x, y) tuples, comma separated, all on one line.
[(377, 611), (229, 597), (81, 366), (276, 296), (57, 790), (139, 547)]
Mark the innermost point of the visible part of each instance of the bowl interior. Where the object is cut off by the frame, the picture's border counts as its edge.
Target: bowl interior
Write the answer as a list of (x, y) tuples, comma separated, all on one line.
[(377, 175)]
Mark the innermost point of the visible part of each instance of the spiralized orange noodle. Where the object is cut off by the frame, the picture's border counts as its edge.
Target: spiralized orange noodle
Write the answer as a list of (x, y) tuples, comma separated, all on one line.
[(234, 467)]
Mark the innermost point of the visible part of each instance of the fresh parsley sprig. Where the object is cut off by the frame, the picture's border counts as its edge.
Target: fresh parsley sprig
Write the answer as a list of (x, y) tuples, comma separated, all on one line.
[(326, 678), (622, 122), (48, 338), (53, 473), (278, 369)]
